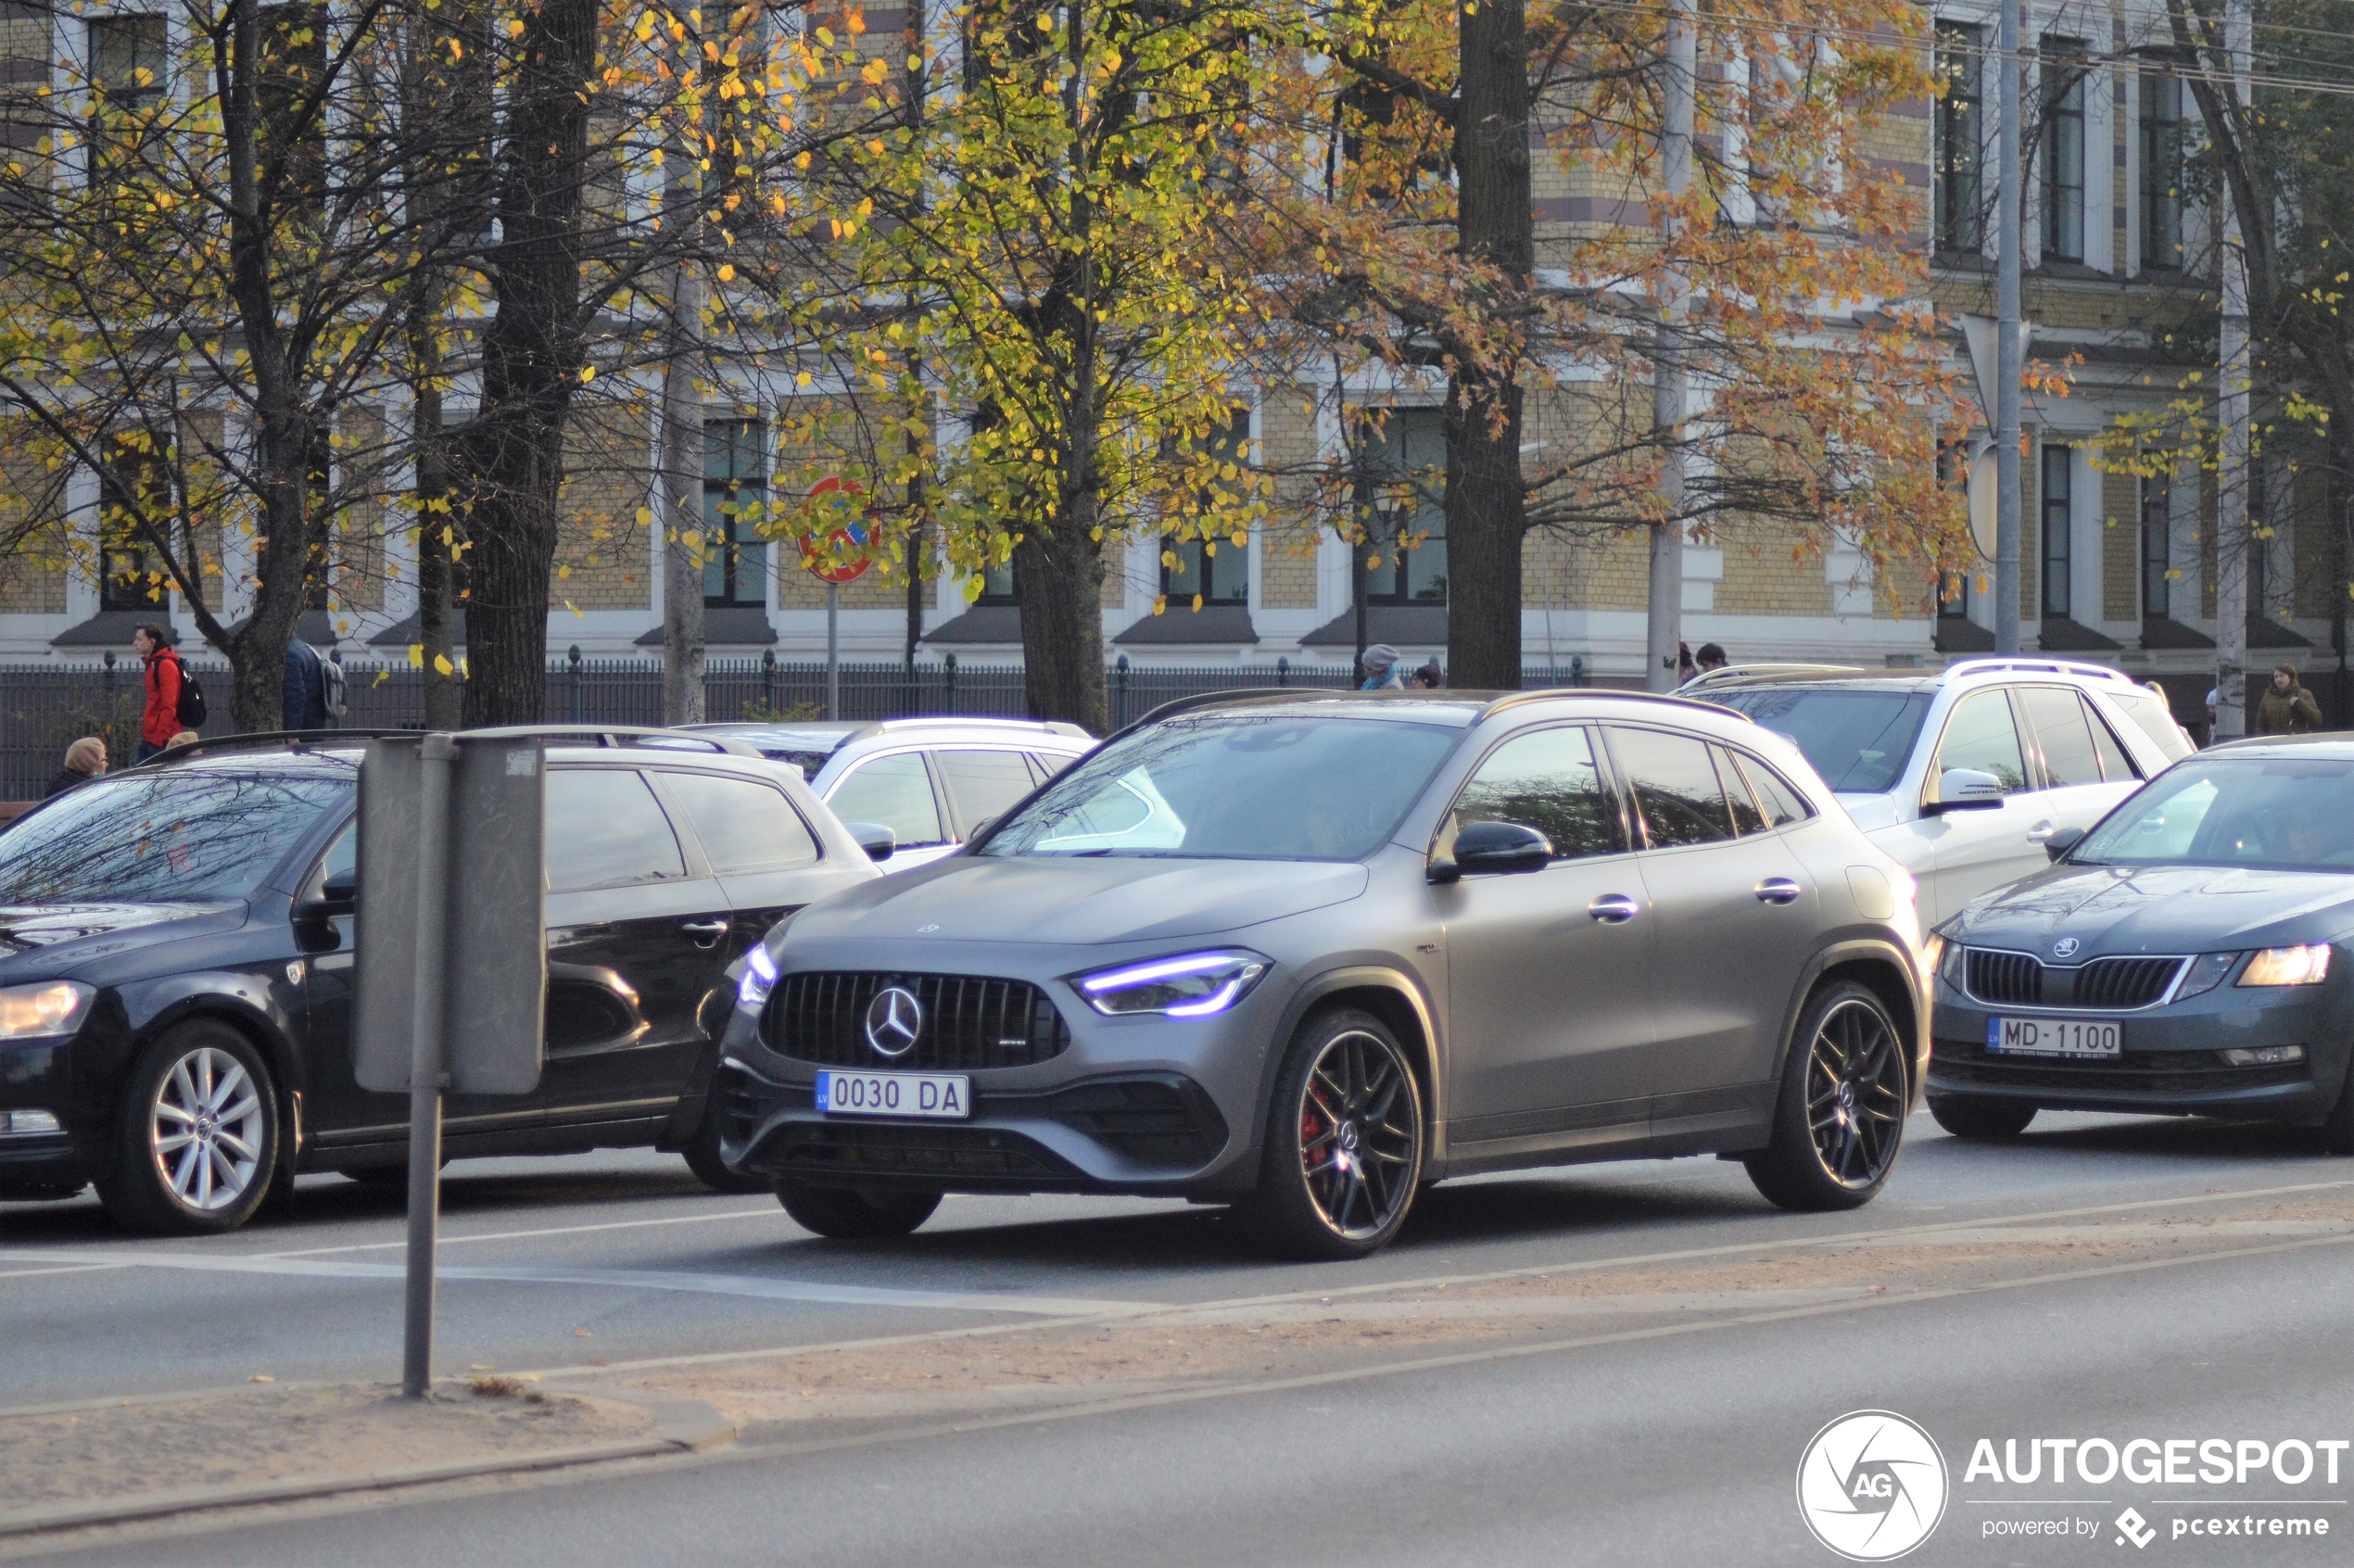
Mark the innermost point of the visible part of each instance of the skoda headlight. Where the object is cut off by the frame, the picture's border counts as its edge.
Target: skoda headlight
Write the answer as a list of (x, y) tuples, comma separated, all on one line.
[(1191, 985), (2288, 966), (759, 980), (29, 1012)]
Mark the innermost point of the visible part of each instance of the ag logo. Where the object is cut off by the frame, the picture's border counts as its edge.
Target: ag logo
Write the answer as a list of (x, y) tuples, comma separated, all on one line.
[(2064, 948), (893, 1019), (1871, 1485)]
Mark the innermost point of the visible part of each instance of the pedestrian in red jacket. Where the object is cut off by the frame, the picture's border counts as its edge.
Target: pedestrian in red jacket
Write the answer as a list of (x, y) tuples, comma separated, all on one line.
[(161, 719)]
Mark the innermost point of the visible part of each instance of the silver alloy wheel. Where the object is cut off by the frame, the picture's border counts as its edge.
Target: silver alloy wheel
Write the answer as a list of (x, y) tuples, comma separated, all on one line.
[(1855, 1093), (206, 1130), (1356, 1157)]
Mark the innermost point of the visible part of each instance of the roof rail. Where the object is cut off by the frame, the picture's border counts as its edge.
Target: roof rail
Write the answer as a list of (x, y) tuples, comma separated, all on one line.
[(602, 734), (2033, 666), (920, 721), (1733, 674), (254, 741), (1606, 693), (332, 740)]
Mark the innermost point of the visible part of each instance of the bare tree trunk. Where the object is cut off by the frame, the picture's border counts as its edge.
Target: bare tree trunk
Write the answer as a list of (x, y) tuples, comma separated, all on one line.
[(1486, 514), (444, 694), (1059, 574), (679, 513), (1664, 631)]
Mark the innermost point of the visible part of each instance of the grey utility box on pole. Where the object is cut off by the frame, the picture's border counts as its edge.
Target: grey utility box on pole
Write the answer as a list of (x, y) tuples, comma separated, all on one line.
[(452, 954)]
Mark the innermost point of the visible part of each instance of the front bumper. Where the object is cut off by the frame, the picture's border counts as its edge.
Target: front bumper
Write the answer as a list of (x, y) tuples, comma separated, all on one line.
[(2171, 1060), (1143, 1104), (42, 1075)]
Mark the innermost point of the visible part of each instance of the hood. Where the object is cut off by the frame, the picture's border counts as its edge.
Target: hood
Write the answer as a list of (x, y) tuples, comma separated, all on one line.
[(1068, 901), (1871, 812), (49, 940), (2158, 909)]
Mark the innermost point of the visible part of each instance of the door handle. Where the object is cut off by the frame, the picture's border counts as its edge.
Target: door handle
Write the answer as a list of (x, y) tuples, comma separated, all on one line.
[(1613, 909), (2041, 832), (708, 932), (1778, 889)]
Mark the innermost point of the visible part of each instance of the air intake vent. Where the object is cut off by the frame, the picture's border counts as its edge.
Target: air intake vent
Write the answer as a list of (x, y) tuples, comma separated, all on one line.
[(2005, 979), (2125, 982)]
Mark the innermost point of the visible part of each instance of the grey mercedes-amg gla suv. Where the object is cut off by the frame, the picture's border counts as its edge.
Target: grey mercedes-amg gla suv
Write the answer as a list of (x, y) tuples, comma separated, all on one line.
[(1305, 954)]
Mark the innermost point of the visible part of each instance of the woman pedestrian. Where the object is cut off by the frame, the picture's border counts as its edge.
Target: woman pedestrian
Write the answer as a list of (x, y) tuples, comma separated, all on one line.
[(1382, 673), (85, 760)]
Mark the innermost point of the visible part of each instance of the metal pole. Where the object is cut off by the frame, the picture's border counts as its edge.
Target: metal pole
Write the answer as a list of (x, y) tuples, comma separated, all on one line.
[(833, 650), (2232, 475), (437, 753), (1666, 622), (2009, 237)]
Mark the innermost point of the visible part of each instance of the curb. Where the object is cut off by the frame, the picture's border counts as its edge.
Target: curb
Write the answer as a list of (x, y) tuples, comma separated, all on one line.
[(685, 1426)]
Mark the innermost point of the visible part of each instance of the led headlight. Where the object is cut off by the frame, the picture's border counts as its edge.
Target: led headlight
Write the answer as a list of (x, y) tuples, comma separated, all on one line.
[(759, 979), (1191, 985), (28, 1012), (2288, 966), (2208, 971)]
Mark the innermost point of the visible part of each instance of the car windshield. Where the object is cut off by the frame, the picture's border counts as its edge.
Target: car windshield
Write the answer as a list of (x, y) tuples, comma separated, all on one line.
[(2279, 814), (1236, 786), (170, 836), (1857, 741)]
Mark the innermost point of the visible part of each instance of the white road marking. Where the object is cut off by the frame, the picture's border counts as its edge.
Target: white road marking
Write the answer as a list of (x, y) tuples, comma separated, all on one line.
[(767, 1211), (753, 1286)]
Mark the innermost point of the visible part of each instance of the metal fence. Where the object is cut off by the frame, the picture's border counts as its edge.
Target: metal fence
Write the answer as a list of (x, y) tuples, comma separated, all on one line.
[(46, 707)]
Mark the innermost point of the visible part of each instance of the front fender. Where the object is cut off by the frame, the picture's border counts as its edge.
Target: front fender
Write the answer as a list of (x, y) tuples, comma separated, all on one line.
[(1869, 948), (1320, 988)]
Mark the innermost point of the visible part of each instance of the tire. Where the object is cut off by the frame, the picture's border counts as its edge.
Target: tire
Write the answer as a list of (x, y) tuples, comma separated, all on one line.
[(702, 1154), (2337, 1128), (848, 1214), (1838, 1120), (196, 1141), (1345, 1140), (1970, 1115)]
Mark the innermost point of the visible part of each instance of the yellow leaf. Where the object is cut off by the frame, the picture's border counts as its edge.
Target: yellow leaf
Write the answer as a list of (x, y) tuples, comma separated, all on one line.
[(514, 28), (416, 655), (588, 374), (442, 666)]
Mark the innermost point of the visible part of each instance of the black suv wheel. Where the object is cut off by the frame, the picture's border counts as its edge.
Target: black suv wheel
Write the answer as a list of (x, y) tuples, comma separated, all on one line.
[(1345, 1142), (848, 1214), (1971, 1115), (1840, 1118), (197, 1135)]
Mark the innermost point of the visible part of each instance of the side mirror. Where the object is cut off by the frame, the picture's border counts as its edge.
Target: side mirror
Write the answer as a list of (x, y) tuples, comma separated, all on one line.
[(2059, 843), (1493, 847), (338, 895), (877, 840), (1964, 788)]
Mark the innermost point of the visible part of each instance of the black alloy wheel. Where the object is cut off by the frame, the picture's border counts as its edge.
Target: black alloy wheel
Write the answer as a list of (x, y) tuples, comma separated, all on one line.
[(1345, 1143), (851, 1214), (1976, 1115), (1840, 1118)]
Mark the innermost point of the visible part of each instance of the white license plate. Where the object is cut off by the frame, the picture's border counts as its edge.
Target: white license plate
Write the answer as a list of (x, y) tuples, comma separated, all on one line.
[(2053, 1037), (939, 1095)]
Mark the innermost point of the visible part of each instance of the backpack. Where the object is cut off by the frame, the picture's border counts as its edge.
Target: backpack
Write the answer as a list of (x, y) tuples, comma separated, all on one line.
[(191, 713), (337, 695)]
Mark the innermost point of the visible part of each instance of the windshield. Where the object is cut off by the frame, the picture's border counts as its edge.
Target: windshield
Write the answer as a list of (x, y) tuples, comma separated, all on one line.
[(1857, 741), (176, 837), (2276, 813), (1268, 787)]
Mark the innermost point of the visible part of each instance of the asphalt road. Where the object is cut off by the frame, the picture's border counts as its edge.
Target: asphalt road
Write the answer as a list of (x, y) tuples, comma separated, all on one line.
[(1681, 1449)]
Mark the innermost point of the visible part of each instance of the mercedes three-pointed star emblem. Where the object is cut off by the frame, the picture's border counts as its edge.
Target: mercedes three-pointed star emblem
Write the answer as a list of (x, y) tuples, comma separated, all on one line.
[(893, 1019)]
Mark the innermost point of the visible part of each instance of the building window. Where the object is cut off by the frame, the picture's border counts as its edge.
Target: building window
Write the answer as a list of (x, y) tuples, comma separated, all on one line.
[(2059, 489), (1404, 556), (1960, 201), (1954, 588), (2157, 547), (997, 585), (2162, 148), (735, 484), (1214, 569), (129, 68), (136, 489), (2063, 149)]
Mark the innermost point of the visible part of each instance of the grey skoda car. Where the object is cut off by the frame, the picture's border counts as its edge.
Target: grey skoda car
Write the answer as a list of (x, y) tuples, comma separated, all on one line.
[(1305, 954), (2189, 955)]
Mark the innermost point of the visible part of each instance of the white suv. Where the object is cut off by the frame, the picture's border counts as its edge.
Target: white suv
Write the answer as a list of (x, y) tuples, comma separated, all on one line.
[(1964, 776), (932, 781)]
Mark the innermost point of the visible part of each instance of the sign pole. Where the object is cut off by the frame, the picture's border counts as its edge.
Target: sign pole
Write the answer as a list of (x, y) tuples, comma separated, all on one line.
[(436, 754), (833, 650)]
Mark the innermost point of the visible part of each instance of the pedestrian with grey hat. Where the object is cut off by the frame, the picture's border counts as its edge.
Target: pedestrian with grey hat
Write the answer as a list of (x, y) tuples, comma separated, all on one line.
[(1381, 662)]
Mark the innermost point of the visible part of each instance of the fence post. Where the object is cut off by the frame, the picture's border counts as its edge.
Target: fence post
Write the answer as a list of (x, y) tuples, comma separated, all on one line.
[(573, 657), (1282, 670), (950, 696), (768, 682), (1120, 684)]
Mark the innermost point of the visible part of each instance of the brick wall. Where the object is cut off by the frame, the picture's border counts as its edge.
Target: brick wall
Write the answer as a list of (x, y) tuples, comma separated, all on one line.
[(1287, 542), (603, 543), (32, 475), (360, 528), (2120, 546)]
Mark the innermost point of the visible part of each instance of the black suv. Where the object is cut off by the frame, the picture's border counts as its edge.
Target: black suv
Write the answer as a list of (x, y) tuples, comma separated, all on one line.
[(176, 967)]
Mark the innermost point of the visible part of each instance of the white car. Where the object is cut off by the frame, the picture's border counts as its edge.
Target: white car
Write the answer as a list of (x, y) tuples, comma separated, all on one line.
[(932, 781), (1964, 775)]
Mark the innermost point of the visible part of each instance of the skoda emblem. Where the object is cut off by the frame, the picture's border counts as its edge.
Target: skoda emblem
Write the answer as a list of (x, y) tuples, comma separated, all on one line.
[(2064, 948), (893, 1019)]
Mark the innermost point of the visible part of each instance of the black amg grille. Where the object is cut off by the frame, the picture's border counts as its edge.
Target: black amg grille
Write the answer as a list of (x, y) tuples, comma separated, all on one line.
[(969, 1021), (951, 1154), (2161, 1072), (2018, 980)]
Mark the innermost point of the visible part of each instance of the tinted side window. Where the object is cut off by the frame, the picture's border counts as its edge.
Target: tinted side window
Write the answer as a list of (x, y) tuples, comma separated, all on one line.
[(982, 784), (1047, 765), (894, 792), (1675, 785), (1747, 818), (605, 828), (745, 826), (2115, 763), (1782, 801), (1980, 735), (2062, 735), (1546, 780)]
